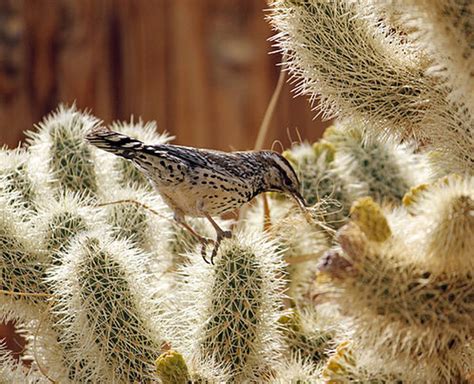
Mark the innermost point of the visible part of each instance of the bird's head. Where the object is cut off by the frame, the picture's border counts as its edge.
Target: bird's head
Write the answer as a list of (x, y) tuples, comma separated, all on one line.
[(281, 177)]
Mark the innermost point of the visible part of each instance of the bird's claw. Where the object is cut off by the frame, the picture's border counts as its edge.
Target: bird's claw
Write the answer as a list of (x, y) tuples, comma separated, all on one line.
[(214, 252), (204, 243)]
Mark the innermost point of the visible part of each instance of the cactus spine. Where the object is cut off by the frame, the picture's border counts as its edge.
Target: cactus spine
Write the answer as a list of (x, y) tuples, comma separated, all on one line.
[(22, 266), (416, 302), (372, 167), (320, 183), (64, 159), (16, 180), (232, 310), (102, 294), (336, 48)]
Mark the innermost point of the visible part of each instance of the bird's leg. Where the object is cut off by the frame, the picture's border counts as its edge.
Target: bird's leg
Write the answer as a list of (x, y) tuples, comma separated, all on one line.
[(203, 240), (221, 234)]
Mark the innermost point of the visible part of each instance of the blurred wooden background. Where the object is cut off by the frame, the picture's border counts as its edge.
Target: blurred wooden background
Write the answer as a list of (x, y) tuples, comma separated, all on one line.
[(200, 68)]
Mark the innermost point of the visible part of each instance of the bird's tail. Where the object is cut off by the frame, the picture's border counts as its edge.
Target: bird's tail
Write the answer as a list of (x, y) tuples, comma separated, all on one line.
[(114, 142)]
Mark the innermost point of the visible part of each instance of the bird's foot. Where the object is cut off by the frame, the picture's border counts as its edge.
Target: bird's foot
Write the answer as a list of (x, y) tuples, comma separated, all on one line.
[(204, 243), (214, 251), (220, 236)]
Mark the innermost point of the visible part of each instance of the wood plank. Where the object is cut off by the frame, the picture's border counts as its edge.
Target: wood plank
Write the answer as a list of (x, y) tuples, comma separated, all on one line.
[(200, 68)]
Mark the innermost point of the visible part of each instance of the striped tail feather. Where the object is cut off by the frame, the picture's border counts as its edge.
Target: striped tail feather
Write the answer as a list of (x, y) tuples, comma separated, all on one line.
[(114, 142)]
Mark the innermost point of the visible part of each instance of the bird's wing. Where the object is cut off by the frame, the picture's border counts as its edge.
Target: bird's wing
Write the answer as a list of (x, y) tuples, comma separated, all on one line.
[(237, 166), (193, 158)]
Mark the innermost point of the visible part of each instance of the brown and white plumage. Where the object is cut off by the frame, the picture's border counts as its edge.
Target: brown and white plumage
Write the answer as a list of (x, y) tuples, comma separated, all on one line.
[(203, 183)]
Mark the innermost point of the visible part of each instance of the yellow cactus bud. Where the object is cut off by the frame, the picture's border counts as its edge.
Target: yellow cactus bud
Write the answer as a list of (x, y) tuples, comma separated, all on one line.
[(413, 194), (172, 369), (322, 278), (327, 148), (371, 220), (337, 364), (330, 131), (291, 320)]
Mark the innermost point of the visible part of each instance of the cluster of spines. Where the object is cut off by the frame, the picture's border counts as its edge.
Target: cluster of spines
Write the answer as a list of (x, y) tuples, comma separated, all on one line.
[(445, 210), (307, 336), (297, 370), (381, 169), (227, 316), (446, 30), (321, 186), (62, 156), (345, 164), (137, 217), (300, 242), (14, 372), (60, 220), (181, 243), (16, 182), (347, 58), (67, 197), (101, 291), (415, 297), (22, 266)]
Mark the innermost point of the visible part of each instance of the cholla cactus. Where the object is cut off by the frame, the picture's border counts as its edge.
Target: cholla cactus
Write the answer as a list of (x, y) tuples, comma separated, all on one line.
[(343, 368), (59, 221), (14, 372), (308, 335), (228, 314), (445, 28), (107, 288), (346, 164), (300, 243), (370, 167), (60, 153), (411, 289), (15, 178), (297, 370), (320, 183), (446, 212), (22, 266), (171, 368), (136, 222), (181, 243), (343, 51), (107, 317)]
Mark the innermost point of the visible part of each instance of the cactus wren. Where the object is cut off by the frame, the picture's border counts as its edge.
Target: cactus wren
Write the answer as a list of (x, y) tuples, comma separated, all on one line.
[(203, 183)]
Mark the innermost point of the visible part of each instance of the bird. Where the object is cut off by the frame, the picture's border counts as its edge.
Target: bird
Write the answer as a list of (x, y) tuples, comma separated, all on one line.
[(197, 182)]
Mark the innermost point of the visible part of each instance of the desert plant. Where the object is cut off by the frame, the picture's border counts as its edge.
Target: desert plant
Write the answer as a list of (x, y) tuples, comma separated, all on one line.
[(107, 317), (227, 315), (412, 290), (363, 72), (373, 283), (16, 178), (62, 157), (13, 371)]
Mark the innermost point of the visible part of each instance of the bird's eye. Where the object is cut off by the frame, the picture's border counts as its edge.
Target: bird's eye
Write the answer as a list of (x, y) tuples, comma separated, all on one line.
[(288, 181)]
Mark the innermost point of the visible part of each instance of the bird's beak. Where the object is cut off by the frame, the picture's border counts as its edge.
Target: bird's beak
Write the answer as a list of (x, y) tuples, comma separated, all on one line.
[(300, 201), (303, 206)]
